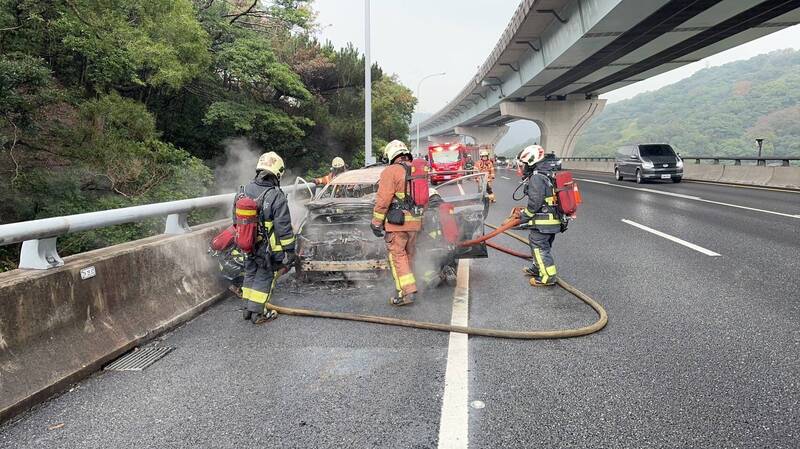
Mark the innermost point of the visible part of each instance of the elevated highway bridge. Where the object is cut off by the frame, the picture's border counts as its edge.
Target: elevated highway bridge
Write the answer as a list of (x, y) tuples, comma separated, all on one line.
[(556, 57)]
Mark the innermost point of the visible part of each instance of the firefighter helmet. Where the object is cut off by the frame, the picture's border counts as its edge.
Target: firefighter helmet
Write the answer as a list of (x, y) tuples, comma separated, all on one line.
[(272, 163), (484, 153), (531, 155), (395, 148), (337, 162)]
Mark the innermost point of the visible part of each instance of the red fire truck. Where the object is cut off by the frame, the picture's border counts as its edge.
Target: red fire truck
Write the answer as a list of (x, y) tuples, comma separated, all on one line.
[(449, 160)]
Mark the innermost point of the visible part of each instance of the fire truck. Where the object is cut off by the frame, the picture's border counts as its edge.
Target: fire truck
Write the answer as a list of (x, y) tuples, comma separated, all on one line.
[(450, 160)]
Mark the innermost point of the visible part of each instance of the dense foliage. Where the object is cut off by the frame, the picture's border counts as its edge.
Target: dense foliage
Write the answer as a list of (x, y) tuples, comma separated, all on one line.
[(110, 103), (718, 111)]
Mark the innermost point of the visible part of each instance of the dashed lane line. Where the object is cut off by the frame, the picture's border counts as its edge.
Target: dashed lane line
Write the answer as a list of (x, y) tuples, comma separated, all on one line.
[(454, 421), (697, 248), (690, 197), (505, 177)]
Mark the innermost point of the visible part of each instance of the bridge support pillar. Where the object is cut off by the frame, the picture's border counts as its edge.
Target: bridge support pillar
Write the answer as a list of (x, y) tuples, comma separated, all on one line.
[(485, 136), (560, 121)]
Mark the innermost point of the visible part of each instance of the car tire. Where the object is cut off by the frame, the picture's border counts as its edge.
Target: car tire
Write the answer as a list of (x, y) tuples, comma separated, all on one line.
[(639, 179), (617, 174), (676, 179)]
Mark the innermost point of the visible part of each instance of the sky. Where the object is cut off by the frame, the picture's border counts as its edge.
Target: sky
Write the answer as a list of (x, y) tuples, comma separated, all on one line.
[(415, 38)]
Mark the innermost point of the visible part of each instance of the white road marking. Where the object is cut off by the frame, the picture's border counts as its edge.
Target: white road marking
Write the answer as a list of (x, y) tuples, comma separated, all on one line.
[(460, 189), (505, 177), (454, 421), (698, 248), (689, 197)]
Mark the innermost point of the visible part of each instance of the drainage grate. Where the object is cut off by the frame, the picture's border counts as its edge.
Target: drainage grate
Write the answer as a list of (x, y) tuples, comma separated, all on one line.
[(138, 359)]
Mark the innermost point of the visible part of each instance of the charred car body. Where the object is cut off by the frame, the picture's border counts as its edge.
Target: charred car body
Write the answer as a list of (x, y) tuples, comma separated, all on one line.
[(335, 241)]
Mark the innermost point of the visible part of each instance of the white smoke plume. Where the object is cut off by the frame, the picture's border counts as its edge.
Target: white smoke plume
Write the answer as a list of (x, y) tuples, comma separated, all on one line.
[(238, 165)]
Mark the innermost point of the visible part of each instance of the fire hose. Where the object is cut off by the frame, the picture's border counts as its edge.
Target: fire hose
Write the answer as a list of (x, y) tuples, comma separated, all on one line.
[(602, 319)]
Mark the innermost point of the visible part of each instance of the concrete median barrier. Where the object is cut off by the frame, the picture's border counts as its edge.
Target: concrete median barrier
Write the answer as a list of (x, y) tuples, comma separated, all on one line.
[(787, 177), (697, 172), (604, 167), (58, 326), (748, 175)]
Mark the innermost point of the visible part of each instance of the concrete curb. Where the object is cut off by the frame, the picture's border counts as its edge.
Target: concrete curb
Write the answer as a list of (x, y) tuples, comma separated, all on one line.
[(57, 328)]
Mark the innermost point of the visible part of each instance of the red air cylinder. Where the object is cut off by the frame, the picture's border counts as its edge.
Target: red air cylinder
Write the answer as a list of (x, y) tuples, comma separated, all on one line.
[(418, 182), (246, 221), (224, 239), (567, 192), (448, 222)]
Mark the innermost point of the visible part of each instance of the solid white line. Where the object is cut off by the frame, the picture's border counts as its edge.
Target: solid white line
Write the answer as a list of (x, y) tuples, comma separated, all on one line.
[(454, 422), (460, 189), (698, 248), (689, 197)]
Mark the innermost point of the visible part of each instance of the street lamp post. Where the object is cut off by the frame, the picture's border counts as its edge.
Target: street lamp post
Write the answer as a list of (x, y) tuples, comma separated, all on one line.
[(759, 142), (368, 159), (418, 87)]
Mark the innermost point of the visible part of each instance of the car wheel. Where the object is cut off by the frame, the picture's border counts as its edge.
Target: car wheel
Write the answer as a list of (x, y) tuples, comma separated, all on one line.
[(639, 179), (676, 179), (617, 174)]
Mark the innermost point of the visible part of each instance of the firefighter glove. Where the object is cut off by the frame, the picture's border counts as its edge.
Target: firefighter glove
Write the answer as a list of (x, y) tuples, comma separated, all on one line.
[(377, 230)]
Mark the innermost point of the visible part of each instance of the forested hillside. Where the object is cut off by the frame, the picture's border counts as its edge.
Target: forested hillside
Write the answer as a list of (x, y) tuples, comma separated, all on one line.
[(718, 111), (110, 103)]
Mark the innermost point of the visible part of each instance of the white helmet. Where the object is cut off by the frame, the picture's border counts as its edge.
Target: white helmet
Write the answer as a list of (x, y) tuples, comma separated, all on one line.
[(531, 155), (337, 162), (272, 163), (484, 153), (395, 148)]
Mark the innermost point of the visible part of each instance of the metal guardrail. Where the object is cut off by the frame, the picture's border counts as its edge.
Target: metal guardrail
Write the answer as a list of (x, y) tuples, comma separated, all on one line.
[(38, 237), (760, 161)]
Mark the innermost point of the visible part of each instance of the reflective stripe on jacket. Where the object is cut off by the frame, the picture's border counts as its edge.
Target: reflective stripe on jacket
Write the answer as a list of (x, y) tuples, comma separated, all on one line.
[(541, 213), (391, 193)]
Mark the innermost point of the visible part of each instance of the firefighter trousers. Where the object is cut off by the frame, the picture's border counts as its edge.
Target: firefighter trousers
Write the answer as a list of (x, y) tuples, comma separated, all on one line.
[(401, 246), (541, 246), (259, 280)]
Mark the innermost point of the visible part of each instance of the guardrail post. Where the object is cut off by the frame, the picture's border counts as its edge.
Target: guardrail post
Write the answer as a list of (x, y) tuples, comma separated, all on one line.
[(737, 162), (176, 224), (785, 162), (39, 254), (697, 161), (761, 162), (716, 161)]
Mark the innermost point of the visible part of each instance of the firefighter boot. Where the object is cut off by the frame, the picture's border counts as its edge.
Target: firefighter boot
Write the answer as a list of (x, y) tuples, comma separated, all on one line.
[(491, 198), (261, 318), (403, 300), (536, 281), (533, 270)]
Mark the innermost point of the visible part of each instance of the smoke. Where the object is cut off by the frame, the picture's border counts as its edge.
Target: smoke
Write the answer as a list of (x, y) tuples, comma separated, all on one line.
[(238, 166)]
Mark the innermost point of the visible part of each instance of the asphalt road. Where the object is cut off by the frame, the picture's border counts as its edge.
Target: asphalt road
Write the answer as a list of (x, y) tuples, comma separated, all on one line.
[(700, 351)]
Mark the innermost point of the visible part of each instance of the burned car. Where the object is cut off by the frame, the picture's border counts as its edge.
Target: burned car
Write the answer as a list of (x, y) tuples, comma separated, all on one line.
[(335, 241)]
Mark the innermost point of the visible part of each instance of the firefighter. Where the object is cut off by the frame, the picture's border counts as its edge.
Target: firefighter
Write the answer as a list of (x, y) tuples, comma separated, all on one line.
[(485, 165), (275, 243), (337, 168), (395, 215), (436, 259), (540, 216)]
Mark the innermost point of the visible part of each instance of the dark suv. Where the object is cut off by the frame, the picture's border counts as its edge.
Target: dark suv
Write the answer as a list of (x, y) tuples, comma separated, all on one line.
[(648, 161)]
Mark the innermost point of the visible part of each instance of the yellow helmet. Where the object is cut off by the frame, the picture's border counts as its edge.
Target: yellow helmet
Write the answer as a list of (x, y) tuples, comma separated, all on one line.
[(395, 148), (272, 163), (531, 155), (484, 153), (337, 162)]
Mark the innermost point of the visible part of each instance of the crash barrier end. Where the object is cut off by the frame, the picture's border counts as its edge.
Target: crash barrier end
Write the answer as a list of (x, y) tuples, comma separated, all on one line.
[(60, 325)]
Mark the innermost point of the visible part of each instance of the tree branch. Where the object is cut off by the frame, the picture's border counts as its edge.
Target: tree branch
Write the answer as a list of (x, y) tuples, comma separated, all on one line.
[(247, 11)]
